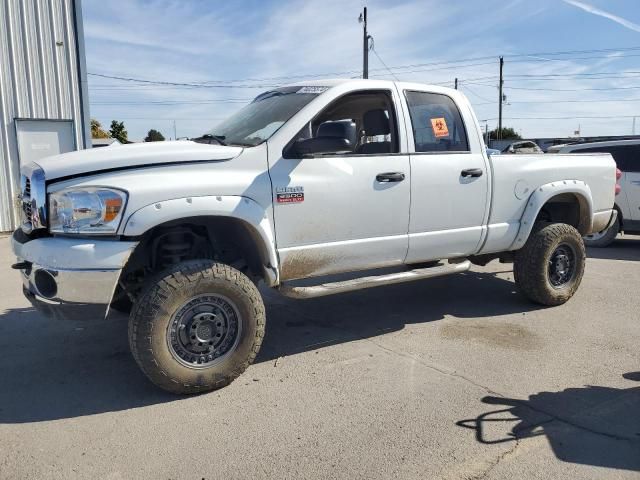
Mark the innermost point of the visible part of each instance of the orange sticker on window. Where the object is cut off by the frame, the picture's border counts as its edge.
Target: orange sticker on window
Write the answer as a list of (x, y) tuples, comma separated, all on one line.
[(439, 126)]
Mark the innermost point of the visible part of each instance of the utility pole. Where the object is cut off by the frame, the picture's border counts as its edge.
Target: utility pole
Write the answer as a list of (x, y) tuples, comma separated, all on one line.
[(633, 129), (499, 133), (365, 44), (456, 83), (175, 135)]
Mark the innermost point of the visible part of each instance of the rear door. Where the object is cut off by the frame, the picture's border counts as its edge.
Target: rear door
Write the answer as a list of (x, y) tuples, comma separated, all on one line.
[(449, 179)]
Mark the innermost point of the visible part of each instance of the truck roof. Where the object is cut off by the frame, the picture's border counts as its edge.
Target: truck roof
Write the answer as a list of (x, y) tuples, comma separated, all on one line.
[(370, 83)]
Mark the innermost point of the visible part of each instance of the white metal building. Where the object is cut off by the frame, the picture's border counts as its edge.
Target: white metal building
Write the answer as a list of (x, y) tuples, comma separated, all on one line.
[(44, 106)]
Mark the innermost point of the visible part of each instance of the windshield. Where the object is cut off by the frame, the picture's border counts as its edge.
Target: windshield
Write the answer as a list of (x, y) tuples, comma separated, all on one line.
[(256, 122)]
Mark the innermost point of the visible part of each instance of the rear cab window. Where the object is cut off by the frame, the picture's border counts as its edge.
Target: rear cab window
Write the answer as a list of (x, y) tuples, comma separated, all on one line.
[(436, 123)]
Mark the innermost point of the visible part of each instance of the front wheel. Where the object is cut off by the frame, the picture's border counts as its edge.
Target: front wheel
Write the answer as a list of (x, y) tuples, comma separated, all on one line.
[(548, 269), (197, 327)]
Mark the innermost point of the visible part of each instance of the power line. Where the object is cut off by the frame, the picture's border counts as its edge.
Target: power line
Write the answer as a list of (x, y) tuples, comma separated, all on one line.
[(382, 61), (572, 89), (580, 101), (227, 83), (173, 102), (474, 93), (616, 74), (160, 82), (572, 117)]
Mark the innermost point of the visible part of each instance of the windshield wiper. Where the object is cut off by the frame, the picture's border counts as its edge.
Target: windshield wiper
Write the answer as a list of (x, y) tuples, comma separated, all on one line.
[(209, 138)]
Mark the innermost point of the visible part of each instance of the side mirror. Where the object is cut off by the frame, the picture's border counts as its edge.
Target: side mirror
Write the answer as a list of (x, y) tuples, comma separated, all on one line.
[(321, 145)]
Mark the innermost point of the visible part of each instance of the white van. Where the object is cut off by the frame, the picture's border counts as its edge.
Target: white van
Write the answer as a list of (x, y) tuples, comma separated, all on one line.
[(626, 153)]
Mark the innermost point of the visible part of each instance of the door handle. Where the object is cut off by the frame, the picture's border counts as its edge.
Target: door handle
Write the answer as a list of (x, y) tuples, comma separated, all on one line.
[(390, 177), (471, 172)]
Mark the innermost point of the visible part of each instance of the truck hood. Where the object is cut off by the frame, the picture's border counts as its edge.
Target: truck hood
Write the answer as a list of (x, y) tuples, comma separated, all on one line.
[(119, 157)]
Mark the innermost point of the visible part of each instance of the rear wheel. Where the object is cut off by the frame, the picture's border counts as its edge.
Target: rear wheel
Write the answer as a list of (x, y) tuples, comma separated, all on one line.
[(197, 327), (603, 238), (549, 268)]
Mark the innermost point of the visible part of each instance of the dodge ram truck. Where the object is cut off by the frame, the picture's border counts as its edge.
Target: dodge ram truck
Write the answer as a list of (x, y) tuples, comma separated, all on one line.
[(307, 181)]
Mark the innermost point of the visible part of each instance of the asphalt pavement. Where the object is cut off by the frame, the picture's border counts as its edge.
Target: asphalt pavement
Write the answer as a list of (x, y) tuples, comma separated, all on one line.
[(455, 378)]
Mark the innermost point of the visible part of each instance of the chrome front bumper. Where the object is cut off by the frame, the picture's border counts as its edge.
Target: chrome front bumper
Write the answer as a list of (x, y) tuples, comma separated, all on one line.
[(70, 278)]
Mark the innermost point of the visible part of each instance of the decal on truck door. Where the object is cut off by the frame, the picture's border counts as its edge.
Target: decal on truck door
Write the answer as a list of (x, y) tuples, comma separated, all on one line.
[(290, 194), (440, 128)]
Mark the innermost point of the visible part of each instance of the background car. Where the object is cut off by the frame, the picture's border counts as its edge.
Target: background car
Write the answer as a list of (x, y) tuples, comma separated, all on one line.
[(526, 146), (626, 153)]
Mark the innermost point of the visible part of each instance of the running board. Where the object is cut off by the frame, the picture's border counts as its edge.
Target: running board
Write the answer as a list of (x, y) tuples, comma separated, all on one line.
[(373, 281)]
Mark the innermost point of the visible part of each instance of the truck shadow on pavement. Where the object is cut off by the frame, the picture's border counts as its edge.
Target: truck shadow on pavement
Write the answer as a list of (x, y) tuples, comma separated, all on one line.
[(63, 369), (592, 425), (627, 248), (296, 326)]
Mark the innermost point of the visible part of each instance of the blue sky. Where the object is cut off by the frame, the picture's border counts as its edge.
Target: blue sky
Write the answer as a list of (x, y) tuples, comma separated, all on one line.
[(237, 48)]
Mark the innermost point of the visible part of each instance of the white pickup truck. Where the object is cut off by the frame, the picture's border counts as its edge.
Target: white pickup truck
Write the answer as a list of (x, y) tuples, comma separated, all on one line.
[(308, 180)]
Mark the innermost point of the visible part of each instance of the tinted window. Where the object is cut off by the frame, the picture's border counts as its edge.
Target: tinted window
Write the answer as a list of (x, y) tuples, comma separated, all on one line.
[(437, 124), (627, 157), (364, 120)]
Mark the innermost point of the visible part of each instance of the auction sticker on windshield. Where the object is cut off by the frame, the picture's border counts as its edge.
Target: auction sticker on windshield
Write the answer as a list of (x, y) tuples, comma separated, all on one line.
[(313, 89)]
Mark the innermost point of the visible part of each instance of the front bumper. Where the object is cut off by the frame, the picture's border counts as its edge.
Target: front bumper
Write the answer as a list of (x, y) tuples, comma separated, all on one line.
[(70, 278)]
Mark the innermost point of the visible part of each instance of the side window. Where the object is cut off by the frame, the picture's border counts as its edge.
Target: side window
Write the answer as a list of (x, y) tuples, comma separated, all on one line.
[(360, 123), (437, 123), (627, 157)]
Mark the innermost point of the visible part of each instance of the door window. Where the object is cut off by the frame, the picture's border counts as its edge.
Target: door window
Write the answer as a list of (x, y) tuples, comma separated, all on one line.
[(436, 122), (360, 123)]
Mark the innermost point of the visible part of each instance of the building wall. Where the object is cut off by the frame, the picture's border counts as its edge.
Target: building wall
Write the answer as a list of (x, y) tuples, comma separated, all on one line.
[(42, 76)]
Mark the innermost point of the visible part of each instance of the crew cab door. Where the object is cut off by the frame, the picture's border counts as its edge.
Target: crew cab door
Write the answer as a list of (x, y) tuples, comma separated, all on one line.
[(449, 178), (346, 208)]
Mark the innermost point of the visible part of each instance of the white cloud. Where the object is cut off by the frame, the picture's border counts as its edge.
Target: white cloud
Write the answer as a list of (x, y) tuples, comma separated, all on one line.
[(601, 13), (184, 42)]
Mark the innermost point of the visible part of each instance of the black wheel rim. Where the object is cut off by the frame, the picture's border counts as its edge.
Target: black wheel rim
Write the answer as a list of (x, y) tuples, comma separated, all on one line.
[(204, 330), (562, 265)]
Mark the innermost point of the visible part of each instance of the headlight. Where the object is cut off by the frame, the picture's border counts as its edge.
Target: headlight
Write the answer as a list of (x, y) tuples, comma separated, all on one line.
[(86, 210)]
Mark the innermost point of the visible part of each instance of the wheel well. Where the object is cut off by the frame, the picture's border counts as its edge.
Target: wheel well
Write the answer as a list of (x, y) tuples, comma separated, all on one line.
[(620, 217), (225, 239), (569, 208)]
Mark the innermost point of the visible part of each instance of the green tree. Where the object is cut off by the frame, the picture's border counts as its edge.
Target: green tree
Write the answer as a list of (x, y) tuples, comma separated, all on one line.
[(96, 130), (118, 131), (154, 136), (508, 133)]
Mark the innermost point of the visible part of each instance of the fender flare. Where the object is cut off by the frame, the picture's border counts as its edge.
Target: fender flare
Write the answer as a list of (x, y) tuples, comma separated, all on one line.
[(541, 195), (245, 209)]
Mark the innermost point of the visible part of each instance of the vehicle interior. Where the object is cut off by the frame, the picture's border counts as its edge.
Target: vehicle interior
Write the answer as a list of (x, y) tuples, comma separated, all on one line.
[(356, 124)]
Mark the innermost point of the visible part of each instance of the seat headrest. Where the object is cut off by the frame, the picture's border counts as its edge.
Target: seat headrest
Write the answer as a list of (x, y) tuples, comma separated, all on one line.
[(341, 129), (375, 122)]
